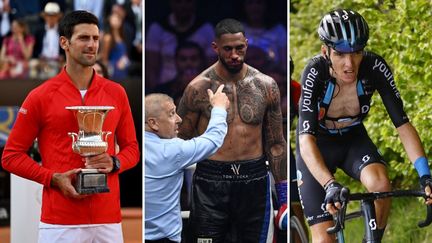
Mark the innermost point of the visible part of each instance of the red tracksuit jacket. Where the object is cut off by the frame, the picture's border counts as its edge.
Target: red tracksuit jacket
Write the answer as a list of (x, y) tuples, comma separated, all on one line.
[(43, 116)]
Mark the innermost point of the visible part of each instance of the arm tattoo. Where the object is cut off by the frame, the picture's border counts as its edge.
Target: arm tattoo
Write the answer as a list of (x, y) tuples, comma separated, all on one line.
[(195, 106), (189, 114), (274, 142)]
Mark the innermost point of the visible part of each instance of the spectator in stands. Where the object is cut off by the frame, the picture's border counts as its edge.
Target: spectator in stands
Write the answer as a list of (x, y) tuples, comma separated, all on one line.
[(190, 61), (47, 38), (101, 69), (16, 51), (25, 9), (114, 49), (258, 58), (163, 37), (134, 16), (93, 6), (128, 26), (5, 19), (108, 5), (65, 5), (137, 11), (265, 33), (48, 56)]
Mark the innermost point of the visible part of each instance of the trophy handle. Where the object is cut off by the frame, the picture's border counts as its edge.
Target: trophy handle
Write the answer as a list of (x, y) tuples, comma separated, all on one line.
[(74, 136), (106, 135)]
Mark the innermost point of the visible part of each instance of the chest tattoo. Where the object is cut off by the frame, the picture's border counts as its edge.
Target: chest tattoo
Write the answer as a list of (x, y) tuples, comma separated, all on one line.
[(247, 97), (251, 94), (229, 90)]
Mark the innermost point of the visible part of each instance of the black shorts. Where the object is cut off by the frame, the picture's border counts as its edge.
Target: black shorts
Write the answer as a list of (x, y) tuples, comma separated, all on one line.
[(350, 151), (231, 202)]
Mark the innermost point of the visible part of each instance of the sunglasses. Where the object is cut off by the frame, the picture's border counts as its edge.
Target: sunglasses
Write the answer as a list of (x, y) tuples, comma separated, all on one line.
[(345, 46)]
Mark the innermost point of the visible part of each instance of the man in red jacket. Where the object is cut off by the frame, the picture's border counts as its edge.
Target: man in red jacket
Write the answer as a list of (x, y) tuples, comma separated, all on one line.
[(67, 215)]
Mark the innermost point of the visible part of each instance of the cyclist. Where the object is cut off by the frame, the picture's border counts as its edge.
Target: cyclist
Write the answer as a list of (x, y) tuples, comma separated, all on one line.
[(337, 87)]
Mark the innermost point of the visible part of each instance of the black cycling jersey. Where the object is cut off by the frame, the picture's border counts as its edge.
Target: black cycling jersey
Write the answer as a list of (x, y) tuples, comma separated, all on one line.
[(318, 88)]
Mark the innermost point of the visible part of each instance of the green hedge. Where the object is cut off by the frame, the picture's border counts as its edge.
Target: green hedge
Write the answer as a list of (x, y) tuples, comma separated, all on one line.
[(401, 32)]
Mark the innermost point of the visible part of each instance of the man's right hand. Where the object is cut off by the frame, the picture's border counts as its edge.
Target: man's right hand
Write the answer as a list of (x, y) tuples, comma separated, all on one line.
[(63, 181), (219, 98), (332, 198)]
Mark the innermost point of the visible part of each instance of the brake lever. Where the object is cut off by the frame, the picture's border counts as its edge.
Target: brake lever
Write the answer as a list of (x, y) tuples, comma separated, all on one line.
[(339, 218), (428, 219), (337, 227)]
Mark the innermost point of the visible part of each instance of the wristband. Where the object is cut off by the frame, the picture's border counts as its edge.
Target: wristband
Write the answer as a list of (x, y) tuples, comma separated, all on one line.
[(422, 167), (281, 190), (328, 182)]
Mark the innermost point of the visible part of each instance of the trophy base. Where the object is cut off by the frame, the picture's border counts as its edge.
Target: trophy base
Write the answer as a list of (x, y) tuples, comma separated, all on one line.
[(90, 181)]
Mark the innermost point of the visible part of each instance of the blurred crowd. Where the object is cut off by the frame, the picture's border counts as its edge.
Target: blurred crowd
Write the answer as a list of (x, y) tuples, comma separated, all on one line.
[(177, 45), (29, 37)]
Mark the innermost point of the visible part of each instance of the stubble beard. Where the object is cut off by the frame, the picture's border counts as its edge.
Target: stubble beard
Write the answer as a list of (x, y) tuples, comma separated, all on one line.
[(86, 62), (231, 69)]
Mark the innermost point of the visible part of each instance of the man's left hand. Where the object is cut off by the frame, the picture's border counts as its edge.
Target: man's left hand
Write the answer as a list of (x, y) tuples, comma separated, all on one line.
[(426, 184), (102, 162)]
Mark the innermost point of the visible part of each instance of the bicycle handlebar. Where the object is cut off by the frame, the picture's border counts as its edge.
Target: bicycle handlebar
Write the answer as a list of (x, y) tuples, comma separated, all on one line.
[(428, 219), (345, 197), (340, 215)]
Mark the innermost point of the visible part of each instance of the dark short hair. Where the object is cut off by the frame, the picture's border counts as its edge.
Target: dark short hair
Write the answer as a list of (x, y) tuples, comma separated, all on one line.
[(228, 26), (68, 22)]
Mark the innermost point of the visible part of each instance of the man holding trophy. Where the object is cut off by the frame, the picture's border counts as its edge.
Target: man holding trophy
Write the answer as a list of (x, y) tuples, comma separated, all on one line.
[(75, 116)]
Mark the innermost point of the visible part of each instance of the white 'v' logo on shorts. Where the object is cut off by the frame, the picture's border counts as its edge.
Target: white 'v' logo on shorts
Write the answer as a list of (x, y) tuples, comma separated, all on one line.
[(236, 169)]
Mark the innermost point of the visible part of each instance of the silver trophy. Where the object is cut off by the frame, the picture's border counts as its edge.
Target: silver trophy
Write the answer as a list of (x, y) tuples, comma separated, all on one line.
[(90, 140)]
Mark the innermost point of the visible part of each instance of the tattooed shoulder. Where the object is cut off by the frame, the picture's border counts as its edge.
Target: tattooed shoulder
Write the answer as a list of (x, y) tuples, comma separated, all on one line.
[(252, 97), (196, 96)]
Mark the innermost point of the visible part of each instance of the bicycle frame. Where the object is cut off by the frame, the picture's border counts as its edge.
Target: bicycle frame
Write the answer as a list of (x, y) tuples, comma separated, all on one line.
[(368, 211)]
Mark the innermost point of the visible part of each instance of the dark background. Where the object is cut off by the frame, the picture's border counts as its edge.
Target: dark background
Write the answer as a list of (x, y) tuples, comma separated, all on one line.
[(215, 10)]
